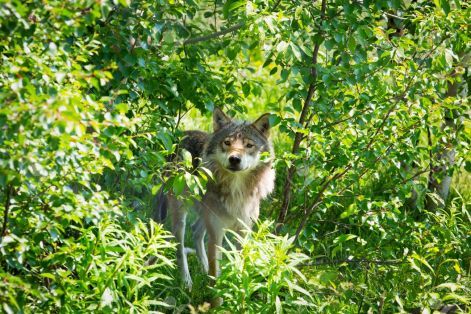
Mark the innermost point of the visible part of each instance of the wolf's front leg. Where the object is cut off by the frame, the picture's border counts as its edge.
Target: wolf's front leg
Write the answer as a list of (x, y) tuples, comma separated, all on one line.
[(214, 255), (179, 223), (199, 231), (215, 237)]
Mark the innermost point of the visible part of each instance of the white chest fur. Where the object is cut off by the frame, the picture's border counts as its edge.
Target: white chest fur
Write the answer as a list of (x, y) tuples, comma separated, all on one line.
[(242, 192)]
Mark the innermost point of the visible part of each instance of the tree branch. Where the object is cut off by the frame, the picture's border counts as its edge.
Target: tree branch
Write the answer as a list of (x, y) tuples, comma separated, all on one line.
[(418, 173), (228, 30), (8, 193), (302, 121), (320, 195), (325, 261)]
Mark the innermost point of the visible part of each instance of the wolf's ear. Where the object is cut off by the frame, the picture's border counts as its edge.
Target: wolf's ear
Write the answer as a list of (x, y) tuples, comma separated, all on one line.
[(263, 124), (220, 119)]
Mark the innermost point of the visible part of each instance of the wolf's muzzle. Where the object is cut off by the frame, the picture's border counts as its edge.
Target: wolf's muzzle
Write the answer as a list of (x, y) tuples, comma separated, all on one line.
[(234, 163)]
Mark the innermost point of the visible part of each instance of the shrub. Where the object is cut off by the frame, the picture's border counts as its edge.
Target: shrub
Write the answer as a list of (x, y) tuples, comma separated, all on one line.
[(263, 276), (102, 267)]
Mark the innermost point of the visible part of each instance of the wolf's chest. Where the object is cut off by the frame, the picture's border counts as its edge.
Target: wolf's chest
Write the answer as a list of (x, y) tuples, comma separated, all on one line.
[(240, 198), (238, 195)]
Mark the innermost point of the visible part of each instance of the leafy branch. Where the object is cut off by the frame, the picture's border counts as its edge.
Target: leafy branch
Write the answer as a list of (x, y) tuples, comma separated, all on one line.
[(217, 34), (231, 29), (320, 195), (303, 120)]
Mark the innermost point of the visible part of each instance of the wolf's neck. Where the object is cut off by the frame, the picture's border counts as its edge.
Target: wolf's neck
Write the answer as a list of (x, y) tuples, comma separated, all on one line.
[(241, 192), (244, 184), (238, 185)]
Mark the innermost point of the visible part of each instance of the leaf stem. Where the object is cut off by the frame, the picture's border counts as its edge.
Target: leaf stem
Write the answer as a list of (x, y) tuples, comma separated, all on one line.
[(8, 193)]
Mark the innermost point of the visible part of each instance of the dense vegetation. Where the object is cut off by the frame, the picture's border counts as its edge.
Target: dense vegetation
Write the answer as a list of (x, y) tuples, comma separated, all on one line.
[(369, 101)]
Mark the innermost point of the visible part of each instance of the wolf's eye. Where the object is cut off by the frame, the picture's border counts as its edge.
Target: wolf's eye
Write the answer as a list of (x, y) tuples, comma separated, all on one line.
[(249, 145), (228, 143)]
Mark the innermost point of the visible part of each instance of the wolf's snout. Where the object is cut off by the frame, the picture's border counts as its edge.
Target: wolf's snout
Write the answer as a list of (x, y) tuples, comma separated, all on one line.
[(234, 161)]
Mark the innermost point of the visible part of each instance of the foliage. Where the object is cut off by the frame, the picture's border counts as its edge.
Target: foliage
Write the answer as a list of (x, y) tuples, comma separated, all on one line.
[(66, 243), (369, 97), (103, 267), (261, 275), (394, 262)]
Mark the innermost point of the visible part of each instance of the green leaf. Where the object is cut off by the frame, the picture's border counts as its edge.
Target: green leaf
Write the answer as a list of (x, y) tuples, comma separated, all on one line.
[(122, 108), (155, 189), (284, 74), (344, 238), (278, 306), (233, 6), (179, 185), (246, 89), (296, 51), (338, 37), (351, 210), (449, 285)]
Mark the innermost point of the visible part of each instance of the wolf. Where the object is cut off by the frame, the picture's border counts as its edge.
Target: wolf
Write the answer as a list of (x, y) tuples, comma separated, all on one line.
[(240, 156)]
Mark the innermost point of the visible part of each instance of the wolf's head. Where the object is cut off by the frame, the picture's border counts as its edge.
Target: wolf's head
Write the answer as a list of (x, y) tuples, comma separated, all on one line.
[(238, 146)]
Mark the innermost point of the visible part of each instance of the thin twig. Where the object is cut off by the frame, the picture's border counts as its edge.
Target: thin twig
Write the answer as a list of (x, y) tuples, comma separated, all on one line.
[(6, 210), (381, 303), (427, 169), (395, 16), (325, 261), (228, 30)]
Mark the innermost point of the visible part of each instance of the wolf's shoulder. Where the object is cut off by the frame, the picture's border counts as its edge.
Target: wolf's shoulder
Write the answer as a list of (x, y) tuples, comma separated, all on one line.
[(194, 142)]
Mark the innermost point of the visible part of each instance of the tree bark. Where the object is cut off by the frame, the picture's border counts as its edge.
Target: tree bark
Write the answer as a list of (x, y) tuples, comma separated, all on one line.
[(440, 176)]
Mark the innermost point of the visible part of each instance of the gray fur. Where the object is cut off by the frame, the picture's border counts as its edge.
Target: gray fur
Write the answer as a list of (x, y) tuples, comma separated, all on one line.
[(194, 142), (233, 127), (160, 205)]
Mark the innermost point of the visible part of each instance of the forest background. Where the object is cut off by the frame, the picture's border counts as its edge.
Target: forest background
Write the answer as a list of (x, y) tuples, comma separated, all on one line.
[(370, 115)]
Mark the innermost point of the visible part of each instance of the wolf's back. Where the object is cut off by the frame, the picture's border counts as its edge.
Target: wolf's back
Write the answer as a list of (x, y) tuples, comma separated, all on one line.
[(160, 205), (194, 142)]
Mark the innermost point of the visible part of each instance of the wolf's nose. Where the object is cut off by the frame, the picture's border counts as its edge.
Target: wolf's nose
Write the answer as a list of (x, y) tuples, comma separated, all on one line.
[(234, 160)]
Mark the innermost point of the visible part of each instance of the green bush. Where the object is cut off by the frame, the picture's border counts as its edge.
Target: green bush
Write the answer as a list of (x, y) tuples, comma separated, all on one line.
[(66, 243), (68, 240), (383, 257), (103, 267), (263, 275)]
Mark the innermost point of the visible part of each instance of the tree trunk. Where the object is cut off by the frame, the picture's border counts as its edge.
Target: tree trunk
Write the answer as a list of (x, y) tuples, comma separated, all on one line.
[(440, 175), (304, 120)]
